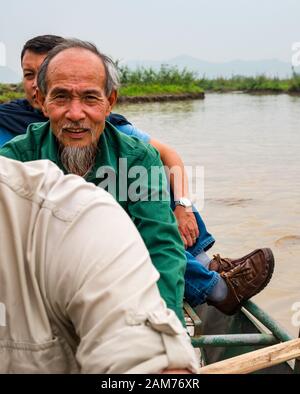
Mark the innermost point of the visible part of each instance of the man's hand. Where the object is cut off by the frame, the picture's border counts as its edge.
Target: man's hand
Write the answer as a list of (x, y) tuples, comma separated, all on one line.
[(187, 225), (176, 371)]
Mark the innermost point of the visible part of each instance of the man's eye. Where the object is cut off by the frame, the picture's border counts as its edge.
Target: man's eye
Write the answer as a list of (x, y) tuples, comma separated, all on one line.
[(91, 99), (60, 97), (29, 75)]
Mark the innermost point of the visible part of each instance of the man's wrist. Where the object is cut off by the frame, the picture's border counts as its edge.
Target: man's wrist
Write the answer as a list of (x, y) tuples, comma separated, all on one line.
[(183, 202)]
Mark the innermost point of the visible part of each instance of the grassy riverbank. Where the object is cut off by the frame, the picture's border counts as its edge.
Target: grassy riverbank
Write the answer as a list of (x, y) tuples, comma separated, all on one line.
[(156, 89), (258, 84), (170, 83), (10, 92), (150, 82), (169, 80)]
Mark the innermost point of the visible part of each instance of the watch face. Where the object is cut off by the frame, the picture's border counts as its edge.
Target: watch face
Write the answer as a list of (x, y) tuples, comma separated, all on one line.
[(185, 202)]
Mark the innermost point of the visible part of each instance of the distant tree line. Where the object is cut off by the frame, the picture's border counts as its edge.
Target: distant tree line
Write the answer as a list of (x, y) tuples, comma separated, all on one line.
[(170, 80)]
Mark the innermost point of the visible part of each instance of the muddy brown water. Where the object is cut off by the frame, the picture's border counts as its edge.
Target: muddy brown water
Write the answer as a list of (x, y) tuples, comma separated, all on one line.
[(249, 147)]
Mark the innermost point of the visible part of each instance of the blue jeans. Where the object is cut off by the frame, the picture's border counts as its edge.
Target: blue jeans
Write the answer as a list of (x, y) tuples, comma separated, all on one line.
[(199, 281)]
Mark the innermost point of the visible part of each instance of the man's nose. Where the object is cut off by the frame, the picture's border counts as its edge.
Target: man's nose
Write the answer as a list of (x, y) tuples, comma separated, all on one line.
[(34, 83), (75, 111)]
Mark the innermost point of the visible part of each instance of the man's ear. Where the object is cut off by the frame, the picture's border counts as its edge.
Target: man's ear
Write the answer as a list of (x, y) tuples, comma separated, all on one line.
[(40, 98), (112, 99)]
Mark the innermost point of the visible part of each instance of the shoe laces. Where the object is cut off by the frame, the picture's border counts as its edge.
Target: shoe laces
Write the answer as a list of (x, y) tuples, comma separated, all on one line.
[(231, 278), (223, 263)]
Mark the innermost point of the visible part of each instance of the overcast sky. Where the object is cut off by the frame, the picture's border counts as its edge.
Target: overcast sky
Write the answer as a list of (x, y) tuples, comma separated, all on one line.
[(213, 30)]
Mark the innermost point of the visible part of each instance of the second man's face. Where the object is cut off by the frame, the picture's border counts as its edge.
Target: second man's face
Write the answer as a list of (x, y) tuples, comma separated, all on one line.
[(75, 102), (31, 63)]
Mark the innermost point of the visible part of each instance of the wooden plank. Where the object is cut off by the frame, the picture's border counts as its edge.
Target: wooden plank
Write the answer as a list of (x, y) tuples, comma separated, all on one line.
[(256, 360)]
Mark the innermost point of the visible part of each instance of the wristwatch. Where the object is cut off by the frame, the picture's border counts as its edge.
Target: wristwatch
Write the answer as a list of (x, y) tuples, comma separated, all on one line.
[(184, 202)]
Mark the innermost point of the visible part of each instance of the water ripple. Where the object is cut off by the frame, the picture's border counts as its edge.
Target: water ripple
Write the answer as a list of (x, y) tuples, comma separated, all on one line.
[(232, 201), (288, 240)]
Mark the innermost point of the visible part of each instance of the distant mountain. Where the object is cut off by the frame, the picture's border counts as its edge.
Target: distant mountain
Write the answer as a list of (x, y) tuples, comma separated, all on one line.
[(269, 67), (7, 75)]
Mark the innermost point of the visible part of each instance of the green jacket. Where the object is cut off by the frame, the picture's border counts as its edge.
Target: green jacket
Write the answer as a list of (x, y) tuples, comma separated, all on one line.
[(154, 219)]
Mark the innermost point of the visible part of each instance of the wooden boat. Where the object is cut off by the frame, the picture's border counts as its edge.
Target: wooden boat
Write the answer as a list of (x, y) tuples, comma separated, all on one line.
[(220, 337)]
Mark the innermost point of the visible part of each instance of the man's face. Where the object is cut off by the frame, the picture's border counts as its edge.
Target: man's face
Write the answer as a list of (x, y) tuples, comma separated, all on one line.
[(75, 102), (31, 63)]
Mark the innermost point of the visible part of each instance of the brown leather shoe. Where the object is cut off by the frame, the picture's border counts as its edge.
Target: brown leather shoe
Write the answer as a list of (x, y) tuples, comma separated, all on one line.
[(221, 264), (246, 279)]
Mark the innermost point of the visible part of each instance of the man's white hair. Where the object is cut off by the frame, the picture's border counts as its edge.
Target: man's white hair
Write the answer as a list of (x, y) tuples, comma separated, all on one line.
[(112, 81)]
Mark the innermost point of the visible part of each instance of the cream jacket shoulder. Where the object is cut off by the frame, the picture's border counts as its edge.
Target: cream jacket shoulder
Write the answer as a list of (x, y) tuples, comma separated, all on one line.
[(77, 287)]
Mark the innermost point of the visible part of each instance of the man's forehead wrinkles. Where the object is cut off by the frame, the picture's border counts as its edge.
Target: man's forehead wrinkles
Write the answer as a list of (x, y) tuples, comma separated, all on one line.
[(75, 78), (75, 89)]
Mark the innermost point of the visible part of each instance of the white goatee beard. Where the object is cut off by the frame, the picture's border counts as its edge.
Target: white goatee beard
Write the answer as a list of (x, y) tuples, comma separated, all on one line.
[(78, 160)]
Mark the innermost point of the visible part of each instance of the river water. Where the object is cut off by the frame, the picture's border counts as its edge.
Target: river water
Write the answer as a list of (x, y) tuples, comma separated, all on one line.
[(249, 147)]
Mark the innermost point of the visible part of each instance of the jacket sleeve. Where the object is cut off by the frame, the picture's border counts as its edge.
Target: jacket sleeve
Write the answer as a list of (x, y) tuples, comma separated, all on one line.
[(9, 151), (14, 149), (153, 217), (101, 279), (132, 131)]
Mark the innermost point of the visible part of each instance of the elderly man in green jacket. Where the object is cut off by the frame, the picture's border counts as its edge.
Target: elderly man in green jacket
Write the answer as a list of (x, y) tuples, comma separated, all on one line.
[(77, 92), (79, 141)]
